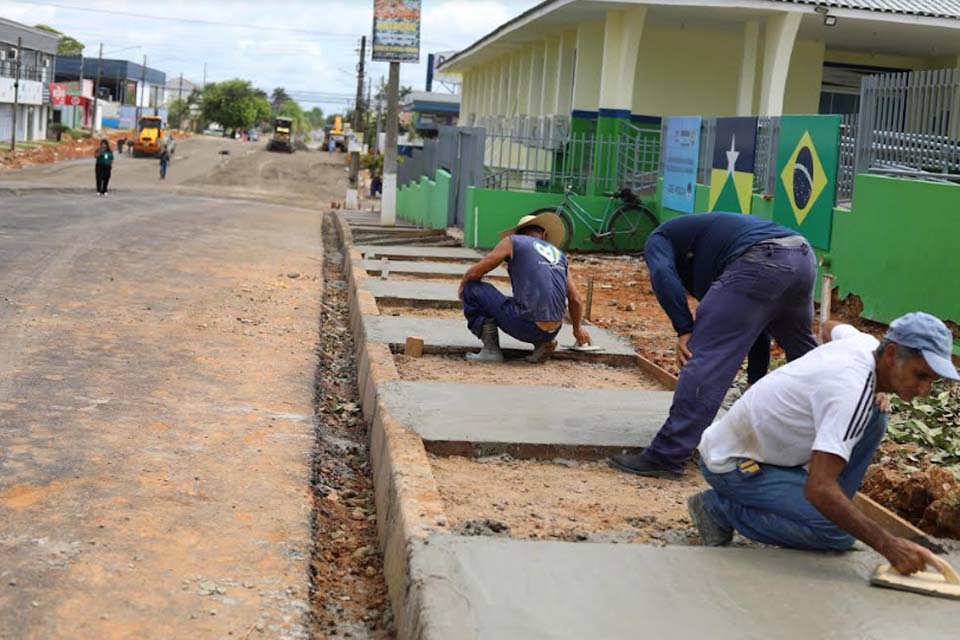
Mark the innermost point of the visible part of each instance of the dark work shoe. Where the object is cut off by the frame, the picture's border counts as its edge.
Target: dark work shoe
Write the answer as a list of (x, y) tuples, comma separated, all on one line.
[(635, 464), (712, 533)]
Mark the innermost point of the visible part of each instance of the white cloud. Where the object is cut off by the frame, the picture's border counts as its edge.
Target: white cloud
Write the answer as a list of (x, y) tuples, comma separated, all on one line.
[(321, 61)]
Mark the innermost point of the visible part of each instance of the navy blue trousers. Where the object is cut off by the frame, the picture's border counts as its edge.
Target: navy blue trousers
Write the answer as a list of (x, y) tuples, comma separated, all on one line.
[(482, 301), (769, 287), (770, 506)]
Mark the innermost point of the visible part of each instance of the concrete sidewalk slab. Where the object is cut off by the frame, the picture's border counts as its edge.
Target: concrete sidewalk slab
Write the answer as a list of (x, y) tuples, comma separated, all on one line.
[(528, 415), (422, 291), (372, 218), (419, 252), (453, 335), (515, 589), (427, 269)]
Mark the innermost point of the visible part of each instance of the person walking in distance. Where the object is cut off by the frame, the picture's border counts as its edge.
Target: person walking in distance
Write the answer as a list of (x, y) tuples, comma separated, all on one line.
[(164, 161), (104, 166)]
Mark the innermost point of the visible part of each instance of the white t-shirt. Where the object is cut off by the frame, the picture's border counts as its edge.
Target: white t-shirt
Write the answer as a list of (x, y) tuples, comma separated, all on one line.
[(820, 402)]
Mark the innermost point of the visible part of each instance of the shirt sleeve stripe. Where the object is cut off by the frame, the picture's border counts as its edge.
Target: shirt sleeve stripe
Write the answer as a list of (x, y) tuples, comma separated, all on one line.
[(858, 412), (868, 413)]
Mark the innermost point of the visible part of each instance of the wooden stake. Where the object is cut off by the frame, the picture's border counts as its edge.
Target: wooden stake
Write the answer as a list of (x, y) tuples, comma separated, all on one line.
[(414, 347), (589, 305)]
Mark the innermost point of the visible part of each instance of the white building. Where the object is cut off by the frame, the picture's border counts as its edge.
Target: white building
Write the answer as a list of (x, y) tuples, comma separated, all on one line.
[(34, 64)]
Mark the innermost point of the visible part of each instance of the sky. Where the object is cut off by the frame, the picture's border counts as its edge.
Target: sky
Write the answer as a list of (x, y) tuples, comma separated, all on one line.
[(309, 47)]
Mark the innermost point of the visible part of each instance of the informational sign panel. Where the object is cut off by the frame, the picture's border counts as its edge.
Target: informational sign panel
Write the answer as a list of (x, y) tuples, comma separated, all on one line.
[(396, 30), (807, 175), (680, 160), (58, 92), (731, 178)]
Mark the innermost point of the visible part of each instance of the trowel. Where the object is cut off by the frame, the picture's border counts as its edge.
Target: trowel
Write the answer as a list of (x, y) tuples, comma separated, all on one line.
[(945, 584)]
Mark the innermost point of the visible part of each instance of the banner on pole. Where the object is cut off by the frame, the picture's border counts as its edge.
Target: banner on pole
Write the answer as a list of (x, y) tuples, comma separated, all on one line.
[(396, 30), (680, 160), (731, 179), (807, 175)]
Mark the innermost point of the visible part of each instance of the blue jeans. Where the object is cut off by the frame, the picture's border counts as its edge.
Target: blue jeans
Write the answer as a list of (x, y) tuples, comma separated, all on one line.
[(770, 506), (769, 288), (482, 301)]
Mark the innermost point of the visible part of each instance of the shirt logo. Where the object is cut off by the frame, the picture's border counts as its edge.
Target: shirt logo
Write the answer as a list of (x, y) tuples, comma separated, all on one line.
[(548, 251)]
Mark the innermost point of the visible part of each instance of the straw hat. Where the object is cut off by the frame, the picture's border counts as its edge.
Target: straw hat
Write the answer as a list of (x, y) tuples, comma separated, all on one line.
[(550, 222)]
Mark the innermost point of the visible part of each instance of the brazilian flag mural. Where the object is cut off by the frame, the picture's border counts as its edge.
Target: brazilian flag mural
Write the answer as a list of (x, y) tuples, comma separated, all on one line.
[(807, 175), (731, 181)]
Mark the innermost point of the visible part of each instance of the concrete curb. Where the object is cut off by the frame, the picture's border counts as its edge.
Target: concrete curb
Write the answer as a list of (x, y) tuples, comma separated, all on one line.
[(408, 503)]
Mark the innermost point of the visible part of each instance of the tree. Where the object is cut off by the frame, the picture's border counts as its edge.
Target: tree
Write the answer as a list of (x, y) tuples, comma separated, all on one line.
[(316, 118), (235, 104), (67, 46), (279, 97)]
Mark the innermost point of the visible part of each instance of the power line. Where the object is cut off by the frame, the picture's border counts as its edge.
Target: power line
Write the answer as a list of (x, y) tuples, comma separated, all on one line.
[(144, 16)]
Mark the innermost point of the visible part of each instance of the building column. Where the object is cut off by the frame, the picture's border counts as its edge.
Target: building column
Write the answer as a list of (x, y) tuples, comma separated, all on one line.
[(781, 36), (551, 75), (568, 54), (748, 68), (621, 44), (503, 67), (586, 80), (525, 65), (514, 105), (536, 82)]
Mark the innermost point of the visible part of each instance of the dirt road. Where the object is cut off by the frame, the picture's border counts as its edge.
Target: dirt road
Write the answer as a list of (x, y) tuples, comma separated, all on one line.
[(158, 371)]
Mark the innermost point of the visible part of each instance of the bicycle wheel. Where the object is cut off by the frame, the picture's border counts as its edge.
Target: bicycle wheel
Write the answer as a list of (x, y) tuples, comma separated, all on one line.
[(567, 224), (629, 227)]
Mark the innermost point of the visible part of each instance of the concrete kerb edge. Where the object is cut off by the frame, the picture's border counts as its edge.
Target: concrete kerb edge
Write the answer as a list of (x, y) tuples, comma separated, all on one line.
[(408, 503)]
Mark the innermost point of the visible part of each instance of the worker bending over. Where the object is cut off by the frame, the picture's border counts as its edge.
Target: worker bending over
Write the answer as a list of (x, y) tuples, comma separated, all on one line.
[(542, 289), (751, 276), (787, 459)]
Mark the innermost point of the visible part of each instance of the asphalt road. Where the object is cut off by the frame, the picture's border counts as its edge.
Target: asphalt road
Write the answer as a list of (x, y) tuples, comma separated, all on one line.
[(157, 375)]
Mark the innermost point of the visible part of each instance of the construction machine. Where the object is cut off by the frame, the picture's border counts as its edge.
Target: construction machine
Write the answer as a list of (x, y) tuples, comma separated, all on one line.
[(149, 140), (282, 139)]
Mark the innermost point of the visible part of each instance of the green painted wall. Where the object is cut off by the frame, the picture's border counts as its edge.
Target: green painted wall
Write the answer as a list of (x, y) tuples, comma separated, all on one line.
[(425, 202), (496, 210), (897, 248)]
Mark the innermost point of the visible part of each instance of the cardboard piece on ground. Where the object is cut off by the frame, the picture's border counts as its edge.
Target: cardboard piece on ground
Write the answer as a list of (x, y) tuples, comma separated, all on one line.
[(945, 584), (413, 347)]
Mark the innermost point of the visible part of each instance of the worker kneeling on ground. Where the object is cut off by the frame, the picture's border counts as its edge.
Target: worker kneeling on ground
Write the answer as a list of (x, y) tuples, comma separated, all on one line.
[(787, 459), (542, 290), (751, 276)]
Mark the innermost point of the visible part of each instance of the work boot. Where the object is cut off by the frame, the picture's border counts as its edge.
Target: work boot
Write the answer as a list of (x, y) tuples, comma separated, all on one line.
[(542, 351), (712, 533), (491, 344), (635, 464)]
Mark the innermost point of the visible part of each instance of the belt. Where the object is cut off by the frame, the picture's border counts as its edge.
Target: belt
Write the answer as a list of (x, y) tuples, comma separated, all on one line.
[(788, 241)]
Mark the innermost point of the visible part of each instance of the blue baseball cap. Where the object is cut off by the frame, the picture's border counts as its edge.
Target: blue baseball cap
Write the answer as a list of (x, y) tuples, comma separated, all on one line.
[(929, 336)]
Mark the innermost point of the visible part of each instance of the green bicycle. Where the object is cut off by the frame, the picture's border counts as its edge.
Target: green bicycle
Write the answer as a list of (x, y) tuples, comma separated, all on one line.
[(626, 222)]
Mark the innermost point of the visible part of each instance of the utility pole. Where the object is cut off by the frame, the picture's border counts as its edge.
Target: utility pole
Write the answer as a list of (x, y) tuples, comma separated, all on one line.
[(366, 113), (204, 74), (180, 104), (353, 198), (16, 95), (379, 115), (388, 206), (142, 91), (96, 91)]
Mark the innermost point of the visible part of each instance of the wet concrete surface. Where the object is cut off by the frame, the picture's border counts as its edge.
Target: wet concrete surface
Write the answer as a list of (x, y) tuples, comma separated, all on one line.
[(426, 269), (527, 415), (440, 333), (420, 253), (156, 416), (502, 589), (422, 291)]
